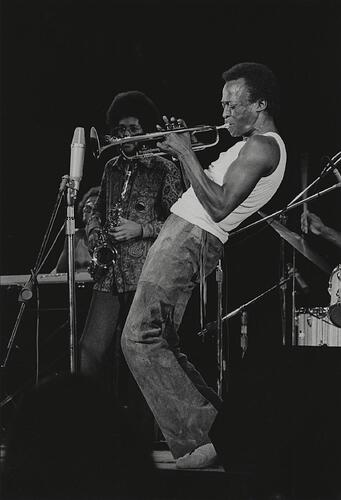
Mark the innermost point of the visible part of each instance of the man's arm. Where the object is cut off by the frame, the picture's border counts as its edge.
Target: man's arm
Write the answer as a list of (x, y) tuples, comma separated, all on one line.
[(258, 158), (332, 236)]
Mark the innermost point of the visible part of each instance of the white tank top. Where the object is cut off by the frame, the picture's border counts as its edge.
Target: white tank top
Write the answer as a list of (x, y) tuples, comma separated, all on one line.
[(189, 207)]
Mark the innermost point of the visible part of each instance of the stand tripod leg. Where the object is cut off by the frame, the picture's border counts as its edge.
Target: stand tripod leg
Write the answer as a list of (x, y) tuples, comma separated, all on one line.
[(13, 335)]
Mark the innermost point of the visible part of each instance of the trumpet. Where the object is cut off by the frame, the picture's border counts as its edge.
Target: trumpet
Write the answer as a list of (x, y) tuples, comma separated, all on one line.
[(108, 143)]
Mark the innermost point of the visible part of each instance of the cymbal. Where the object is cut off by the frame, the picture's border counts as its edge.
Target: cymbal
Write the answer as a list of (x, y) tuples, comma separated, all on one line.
[(299, 243)]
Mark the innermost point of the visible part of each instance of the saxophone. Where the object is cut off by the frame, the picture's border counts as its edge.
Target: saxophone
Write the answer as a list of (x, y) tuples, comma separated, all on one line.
[(105, 253)]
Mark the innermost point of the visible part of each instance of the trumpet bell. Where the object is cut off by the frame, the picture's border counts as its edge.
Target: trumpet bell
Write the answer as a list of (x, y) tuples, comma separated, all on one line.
[(94, 142), (104, 143)]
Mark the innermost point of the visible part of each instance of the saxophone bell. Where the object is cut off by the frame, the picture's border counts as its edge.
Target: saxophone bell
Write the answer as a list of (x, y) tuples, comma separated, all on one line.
[(104, 255)]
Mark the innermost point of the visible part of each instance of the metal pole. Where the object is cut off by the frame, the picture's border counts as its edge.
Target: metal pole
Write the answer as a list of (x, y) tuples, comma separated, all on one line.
[(293, 300), (283, 288), (70, 234), (220, 354)]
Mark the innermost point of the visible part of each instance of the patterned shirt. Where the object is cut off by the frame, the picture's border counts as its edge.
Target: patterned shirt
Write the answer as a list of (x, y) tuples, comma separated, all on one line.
[(155, 184)]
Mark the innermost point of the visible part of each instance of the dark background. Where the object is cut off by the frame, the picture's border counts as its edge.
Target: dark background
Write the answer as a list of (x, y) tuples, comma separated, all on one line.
[(62, 62)]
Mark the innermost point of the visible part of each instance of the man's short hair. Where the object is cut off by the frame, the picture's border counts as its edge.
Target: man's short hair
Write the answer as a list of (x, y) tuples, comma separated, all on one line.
[(261, 83), (133, 103)]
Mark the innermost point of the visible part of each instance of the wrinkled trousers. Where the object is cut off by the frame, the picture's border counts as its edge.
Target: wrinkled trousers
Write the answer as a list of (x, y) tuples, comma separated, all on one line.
[(182, 403)]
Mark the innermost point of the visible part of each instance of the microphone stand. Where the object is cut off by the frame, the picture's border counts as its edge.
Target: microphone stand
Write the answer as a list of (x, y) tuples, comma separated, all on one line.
[(26, 292), (70, 235), (25, 295), (330, 167), (212, 326), (287, 208)]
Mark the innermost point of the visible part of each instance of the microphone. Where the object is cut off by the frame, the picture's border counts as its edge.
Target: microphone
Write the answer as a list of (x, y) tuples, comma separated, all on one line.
[(77, 157)]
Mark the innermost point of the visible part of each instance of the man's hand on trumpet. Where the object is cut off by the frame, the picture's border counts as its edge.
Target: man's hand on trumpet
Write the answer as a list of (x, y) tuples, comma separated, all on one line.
[(177, 143)]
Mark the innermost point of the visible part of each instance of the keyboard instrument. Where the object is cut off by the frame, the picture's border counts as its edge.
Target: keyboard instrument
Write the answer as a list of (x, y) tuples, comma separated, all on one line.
[(44, 279)]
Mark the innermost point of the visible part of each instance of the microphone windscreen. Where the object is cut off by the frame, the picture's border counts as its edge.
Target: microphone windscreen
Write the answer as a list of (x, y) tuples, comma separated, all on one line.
[(78, 136), (77, 156)]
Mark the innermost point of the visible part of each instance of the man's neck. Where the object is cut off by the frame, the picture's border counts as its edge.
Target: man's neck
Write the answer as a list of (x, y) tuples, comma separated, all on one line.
[(265, 126)]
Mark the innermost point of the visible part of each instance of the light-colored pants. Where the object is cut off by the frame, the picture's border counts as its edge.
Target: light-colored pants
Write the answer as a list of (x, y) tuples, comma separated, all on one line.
[(182, 403)]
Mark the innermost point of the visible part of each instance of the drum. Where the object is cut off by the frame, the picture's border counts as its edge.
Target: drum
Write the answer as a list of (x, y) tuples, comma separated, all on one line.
[(314, 328), (334, 290)]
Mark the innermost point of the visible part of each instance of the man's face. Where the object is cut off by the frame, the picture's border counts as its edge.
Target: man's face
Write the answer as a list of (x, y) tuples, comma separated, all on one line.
[(239, 113), (127, 127), (87, 209)]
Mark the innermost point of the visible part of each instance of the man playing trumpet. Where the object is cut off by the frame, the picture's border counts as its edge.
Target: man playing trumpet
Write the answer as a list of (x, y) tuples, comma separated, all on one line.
[(189, 246)]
